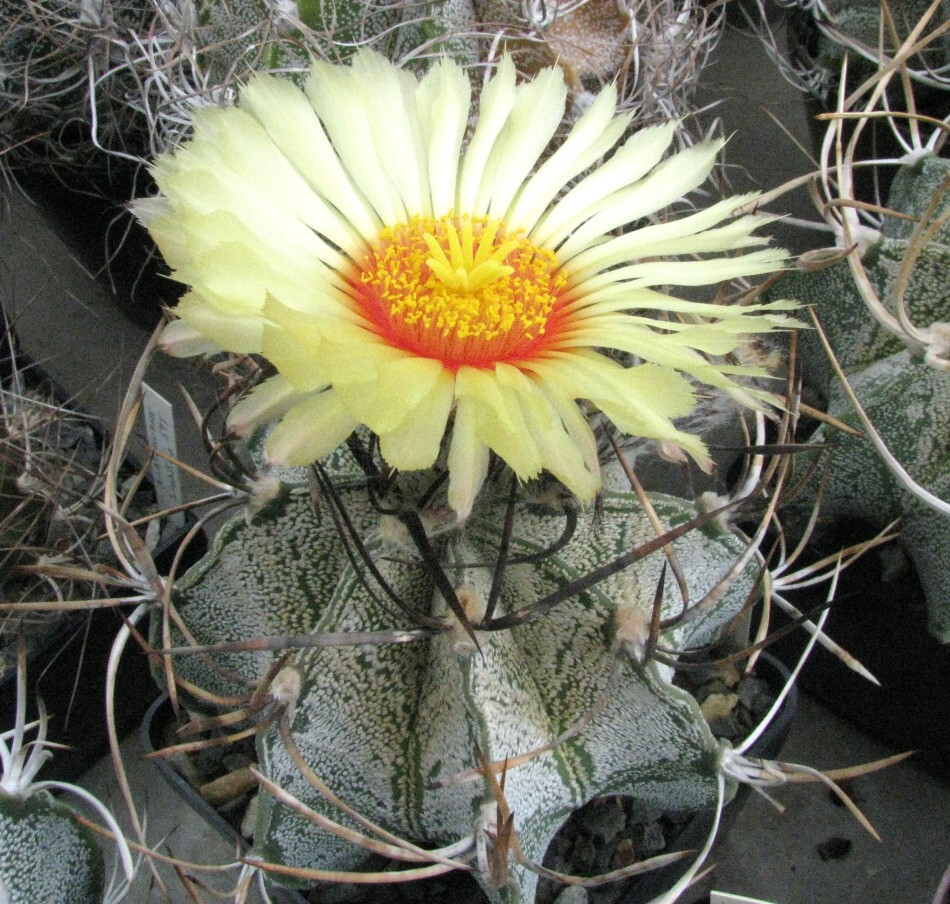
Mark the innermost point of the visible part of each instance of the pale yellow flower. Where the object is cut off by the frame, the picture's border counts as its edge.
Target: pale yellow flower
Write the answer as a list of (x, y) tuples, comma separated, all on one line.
[(401, 277)]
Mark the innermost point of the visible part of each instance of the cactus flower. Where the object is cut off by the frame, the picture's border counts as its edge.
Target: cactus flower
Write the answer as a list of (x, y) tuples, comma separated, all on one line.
[(450, 281)]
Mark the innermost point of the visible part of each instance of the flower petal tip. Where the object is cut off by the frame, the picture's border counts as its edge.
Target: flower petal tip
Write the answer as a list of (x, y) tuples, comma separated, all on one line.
[(180, 340)]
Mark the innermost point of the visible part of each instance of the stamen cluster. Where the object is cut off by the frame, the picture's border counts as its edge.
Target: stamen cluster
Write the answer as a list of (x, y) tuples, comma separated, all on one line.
[(461, 290)]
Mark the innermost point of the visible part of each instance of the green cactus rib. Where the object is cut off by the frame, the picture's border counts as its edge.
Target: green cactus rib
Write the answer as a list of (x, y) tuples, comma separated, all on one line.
[(909, 403), (388, 726), (906, 399), (45, 854)]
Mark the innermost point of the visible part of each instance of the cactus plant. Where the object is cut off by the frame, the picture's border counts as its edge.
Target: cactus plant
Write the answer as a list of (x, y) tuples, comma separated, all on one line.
[(418, 688), (904, 391), (319, 625), (445, 634), (884, 310), (394, 727), (46, 854), (471, 655)]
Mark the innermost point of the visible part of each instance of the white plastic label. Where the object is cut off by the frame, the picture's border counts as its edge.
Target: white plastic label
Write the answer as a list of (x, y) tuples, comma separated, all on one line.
[(723, 897), (160, 433)]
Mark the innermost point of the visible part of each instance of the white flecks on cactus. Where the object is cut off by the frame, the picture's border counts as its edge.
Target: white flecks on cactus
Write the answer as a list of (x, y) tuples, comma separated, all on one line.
[(45, 854), (909, 403), (902, 388), (395, 728)]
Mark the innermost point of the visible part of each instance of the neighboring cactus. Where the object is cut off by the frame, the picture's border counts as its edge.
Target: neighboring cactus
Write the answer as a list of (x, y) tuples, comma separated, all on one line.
[(884, 307), (51, 476), (77, 79), (657, 48), (130, 75), (832, 30), (46, 854), (897, 366), (54, 56), (831, 36)]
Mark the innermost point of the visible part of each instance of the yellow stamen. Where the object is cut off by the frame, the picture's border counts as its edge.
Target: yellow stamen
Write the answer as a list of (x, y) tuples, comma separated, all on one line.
[(460, 290)]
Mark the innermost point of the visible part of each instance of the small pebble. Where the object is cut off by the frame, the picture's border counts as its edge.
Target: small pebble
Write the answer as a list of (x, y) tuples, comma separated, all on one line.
[(603, 819), (640, 811), (234, 761), (756, 696), (654, 840), (624, 855), (727, 727), (834, 848), (718, 706), (583, 856)]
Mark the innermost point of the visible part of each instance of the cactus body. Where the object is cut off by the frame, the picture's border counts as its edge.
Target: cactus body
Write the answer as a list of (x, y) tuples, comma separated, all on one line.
[(45, 854), (906, 398), (388, 726), (832, 30)]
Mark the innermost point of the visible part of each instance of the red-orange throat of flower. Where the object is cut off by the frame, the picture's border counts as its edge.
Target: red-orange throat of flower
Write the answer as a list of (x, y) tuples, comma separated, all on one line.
[(462, 291)]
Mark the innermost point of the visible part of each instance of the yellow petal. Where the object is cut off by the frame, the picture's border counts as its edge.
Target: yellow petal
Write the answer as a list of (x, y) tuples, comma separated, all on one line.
[(468, 461), (531, 124), (311, 429), (578, 428), (356, 125), (559, 453), (668, 182), (390, 391), (495, 105), (181, 340), (499, 420), (290, 120), (638, 155), (231, 330), (294, 343), (416, 442), (444, 104), (593, 135), (267, 402)]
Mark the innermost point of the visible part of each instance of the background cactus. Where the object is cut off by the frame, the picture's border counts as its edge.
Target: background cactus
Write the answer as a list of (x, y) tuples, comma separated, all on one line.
[(902, 384), (129, 74), (823, 35), (46, 853)]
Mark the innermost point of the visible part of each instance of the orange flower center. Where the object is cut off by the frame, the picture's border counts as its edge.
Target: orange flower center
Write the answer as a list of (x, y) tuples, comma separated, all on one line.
[(461, 290)]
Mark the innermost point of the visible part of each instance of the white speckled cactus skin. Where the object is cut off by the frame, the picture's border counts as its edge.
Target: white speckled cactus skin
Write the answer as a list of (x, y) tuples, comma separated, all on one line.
[(45, 854), (385, 724), (906, 398)]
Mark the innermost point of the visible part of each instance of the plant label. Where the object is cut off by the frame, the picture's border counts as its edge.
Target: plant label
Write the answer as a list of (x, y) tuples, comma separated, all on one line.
[(160, 434)]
